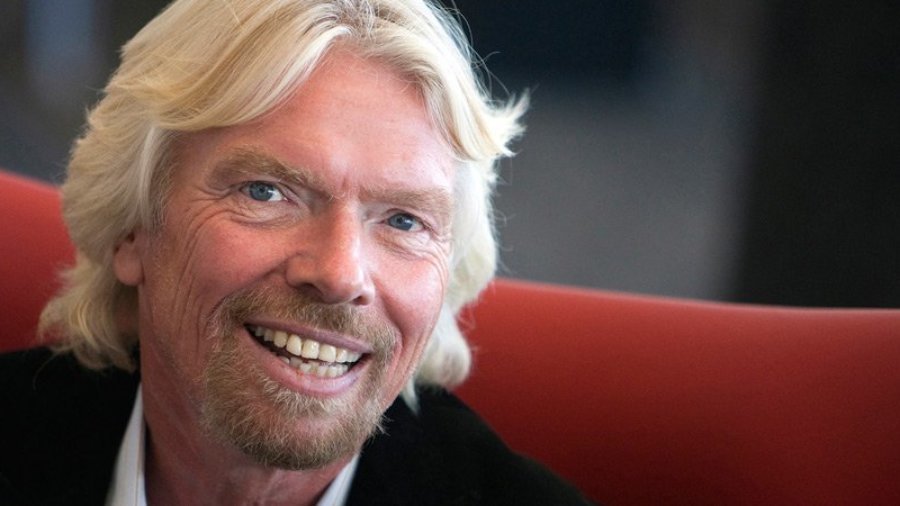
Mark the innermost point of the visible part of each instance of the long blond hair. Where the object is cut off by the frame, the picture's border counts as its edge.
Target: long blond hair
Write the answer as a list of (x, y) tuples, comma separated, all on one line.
[(212, 63)]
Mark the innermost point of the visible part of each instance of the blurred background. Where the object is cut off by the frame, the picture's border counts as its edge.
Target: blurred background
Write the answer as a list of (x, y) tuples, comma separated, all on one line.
[(730, 150)]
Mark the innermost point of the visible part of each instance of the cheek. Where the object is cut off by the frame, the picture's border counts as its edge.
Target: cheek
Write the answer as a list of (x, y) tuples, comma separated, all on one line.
[(194, 272), (225, 258), (413, 295)]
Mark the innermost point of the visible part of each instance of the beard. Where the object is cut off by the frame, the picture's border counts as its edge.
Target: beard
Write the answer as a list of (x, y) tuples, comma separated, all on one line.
[(274, 425)]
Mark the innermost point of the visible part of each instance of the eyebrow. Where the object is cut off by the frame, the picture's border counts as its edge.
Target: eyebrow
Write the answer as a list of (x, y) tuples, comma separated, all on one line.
[(251, 162), (436, 202)]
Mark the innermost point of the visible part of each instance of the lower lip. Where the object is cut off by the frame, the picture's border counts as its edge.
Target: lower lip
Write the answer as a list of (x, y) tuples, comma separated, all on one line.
[(293, 379)]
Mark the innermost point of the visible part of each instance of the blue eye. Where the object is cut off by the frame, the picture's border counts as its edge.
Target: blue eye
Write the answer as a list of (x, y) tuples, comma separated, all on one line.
[(405, 222), (263, 192)]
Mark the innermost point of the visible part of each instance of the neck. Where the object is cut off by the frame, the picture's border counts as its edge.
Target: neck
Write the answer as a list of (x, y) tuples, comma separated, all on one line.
[(184, 465), (183, 481)]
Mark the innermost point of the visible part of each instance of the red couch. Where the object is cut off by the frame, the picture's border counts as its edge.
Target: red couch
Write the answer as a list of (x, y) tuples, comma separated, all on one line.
[(637, 400)]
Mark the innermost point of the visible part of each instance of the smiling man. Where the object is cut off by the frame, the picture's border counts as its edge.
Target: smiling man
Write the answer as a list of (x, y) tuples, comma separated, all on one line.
[(279, 207)]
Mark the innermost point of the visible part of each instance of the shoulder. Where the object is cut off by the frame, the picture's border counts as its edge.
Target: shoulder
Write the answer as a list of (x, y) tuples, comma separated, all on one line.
[(59, 417), (445, 454), (40, 382)]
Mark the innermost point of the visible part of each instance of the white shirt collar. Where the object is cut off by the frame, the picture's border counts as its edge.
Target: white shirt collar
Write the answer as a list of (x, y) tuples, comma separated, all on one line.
[(127, 487)]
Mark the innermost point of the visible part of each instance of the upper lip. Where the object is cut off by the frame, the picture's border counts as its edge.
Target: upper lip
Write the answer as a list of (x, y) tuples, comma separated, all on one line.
[(335, 339)]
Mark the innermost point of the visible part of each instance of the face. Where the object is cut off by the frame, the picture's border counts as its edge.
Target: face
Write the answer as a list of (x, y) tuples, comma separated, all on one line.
[(300, 268)]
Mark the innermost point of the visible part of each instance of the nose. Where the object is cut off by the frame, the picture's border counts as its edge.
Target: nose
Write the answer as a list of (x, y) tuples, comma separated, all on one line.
[(332, 266)]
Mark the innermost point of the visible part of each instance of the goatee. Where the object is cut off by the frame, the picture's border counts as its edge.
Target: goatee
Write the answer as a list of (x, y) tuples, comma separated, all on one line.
[(277, 426)]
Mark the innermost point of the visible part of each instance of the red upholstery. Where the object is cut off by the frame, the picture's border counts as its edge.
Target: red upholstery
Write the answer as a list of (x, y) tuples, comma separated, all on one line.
[(638, 400), (644, 400), (33, 245)]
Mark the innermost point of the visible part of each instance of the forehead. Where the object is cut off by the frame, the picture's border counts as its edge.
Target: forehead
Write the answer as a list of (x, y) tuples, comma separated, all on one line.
[(352, 118)]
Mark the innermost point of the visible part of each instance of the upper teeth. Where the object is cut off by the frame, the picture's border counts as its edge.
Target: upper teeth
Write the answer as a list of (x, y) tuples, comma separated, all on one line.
[(306, 348)]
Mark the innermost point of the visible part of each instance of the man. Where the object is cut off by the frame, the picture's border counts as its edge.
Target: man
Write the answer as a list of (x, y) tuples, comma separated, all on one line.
[(279, 207)]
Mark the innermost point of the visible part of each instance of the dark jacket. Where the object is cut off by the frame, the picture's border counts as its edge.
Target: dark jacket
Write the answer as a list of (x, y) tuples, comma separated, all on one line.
[(61, 427)]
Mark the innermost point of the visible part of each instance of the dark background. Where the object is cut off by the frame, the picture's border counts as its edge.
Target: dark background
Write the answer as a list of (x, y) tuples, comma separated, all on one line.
[(729, 150)]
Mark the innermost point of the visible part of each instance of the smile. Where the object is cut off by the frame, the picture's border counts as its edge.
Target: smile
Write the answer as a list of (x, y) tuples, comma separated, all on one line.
[(306, 355)]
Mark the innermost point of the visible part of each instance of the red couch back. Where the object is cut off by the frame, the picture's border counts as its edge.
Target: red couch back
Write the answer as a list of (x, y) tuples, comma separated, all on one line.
[(638, 400), (652, 401), (34, 244)]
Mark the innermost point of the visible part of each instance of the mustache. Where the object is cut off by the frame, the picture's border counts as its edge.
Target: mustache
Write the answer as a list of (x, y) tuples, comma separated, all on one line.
[(295, 306)]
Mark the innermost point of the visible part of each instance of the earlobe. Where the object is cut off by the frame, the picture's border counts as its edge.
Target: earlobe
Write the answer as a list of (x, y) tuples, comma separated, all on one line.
[(127, 261)]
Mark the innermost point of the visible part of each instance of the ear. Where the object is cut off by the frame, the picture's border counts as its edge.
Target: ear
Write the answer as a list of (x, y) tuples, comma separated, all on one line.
[(127, 261)]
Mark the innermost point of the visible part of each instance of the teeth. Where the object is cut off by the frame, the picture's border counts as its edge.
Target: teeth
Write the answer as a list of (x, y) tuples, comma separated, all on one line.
[(294, 345), (327, 353), (309, 349), (316, 369)]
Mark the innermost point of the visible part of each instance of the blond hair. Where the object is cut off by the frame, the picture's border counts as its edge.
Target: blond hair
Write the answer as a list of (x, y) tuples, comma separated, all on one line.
[(212, 63)]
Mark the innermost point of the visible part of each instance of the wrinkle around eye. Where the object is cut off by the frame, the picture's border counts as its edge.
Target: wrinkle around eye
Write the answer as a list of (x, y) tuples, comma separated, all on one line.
[(424, 242)]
